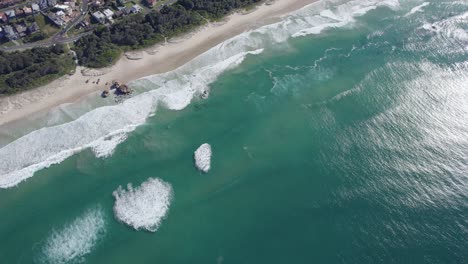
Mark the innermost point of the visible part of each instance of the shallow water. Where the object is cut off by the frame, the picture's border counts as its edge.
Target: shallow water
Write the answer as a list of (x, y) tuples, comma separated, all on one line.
[(346, 145)]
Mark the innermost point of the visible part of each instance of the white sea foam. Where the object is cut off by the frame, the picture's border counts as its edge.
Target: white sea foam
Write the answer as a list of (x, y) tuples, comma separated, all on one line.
[(203, 157), (341, 16), (143, 207), (74, 241), (418, 8), (102, 129)]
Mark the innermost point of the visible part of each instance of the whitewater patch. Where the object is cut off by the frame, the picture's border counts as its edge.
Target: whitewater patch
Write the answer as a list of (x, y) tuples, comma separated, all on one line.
[(73, 242), (143, 207), (341, 16), (104, 128), (418, 8), (203, 157)]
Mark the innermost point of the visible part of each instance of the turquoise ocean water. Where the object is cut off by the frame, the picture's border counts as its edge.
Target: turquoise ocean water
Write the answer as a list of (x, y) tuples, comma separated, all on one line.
[(339, 135)]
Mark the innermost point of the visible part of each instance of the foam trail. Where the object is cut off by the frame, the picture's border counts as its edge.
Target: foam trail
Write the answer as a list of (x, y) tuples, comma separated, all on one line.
[(143, 207), (104, 128), (418, 8), (74, 241)]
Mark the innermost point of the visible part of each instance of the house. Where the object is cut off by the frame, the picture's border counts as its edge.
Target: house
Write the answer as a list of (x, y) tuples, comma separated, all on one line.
[(62, 7), (119, 13), (72, 4), (3, 18), (99, 17), (108, 13), (21, 29), (97, 3), (27, 11), (9, 32), (33, 28), (1, 32), (6, 3), (51, 3), (84, 24), (43, 4), (60, 13), (10, 14), (136, 9), (19, 12), (35, 8), (151, 3)]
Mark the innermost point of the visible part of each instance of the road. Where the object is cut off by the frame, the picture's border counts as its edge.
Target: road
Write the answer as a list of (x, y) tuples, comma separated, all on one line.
[(59, 37)]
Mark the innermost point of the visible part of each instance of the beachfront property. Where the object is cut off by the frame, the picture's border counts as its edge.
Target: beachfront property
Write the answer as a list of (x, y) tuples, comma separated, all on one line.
[(19, 12), (99, 17), (10, 14), (27, 11), (21, 29), (136, 9), (10, 32), (109, 14), (34, 27), (64, 8), (7, 3), (43, 4), (51, 3), (151, 3), (3, 18), (35, 8)]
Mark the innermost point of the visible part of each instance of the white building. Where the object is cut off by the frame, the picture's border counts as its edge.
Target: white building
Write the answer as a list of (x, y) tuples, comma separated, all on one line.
[(60, 13), (136, 9), (100, 17), (108, 13)]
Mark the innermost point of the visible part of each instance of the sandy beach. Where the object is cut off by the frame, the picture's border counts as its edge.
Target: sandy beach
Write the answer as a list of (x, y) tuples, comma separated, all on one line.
[(157, 59)]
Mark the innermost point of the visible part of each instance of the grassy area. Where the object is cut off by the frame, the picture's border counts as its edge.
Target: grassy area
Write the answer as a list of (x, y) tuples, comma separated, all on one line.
[(47, 27), (75, 31), (7, 44)]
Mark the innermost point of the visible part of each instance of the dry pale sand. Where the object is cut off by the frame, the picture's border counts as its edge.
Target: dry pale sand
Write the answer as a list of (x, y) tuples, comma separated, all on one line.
[(155, 60)]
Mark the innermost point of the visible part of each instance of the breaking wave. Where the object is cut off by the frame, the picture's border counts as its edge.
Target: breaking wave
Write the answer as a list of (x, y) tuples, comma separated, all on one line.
[(74, 241), (143, 207), (102, 129)]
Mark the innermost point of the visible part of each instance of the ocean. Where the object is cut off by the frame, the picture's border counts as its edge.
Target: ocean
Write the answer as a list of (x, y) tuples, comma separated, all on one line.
[(338, 134)]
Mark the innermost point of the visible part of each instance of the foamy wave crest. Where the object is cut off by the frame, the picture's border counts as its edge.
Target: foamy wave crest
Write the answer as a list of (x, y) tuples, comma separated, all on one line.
[(340, 16), (418, 8), (74, 241), (143, 207), (104, 128)]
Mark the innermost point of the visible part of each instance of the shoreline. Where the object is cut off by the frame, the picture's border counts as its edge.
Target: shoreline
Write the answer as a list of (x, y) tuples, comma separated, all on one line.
[(154, 60)]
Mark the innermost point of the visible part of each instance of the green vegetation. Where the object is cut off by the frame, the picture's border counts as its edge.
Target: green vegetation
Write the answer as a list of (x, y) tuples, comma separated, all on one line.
[(35, 37), (134, 32), (104, 46), (27, 69), (31, 68), (46, 27)]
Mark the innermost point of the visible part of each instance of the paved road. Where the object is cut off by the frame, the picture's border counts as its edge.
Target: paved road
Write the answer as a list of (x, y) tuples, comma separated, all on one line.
[(15, 6), (59, 37)]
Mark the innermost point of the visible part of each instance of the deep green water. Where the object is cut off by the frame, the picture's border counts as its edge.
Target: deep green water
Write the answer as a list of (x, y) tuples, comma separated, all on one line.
[(348, 146)]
